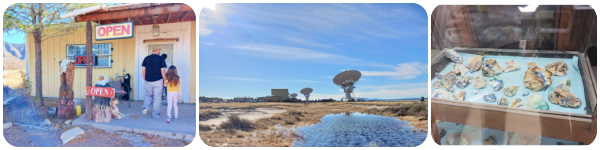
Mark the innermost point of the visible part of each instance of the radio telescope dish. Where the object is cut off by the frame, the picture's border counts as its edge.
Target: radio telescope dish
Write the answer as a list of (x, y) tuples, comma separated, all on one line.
[(346, 80), (306, 92), (293, 95)]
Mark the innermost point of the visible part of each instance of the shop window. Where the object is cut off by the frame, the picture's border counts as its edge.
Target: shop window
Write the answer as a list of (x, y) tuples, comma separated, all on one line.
[(101, 51)]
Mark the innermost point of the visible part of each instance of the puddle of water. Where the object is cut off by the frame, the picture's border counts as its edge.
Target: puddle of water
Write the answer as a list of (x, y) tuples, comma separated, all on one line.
[(357, 130)]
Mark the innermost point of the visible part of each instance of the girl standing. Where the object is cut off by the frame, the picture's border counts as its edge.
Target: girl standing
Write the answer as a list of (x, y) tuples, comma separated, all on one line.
[(173, 84)]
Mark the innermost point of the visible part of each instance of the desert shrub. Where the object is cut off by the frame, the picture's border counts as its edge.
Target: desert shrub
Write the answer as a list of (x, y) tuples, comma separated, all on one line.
[(204, 127), (295, 113), (237, 123), (408, 110), (276, 118), (207, 114)]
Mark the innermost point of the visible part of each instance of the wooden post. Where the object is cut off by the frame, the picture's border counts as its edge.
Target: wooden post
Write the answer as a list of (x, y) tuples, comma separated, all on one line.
[(88, 69)]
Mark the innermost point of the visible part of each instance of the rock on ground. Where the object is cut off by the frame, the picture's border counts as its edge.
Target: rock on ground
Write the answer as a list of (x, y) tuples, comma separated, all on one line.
[(7, 125), (71, 134)]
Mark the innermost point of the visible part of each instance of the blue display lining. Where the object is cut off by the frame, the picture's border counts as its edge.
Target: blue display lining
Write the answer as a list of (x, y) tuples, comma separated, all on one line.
[(501, 136), (515, 78)]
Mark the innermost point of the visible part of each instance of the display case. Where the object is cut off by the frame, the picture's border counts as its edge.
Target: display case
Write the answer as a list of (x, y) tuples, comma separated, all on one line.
[(533, 119)]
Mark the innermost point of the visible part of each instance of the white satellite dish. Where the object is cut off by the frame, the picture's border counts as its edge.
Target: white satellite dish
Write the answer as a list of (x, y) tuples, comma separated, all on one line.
[(293, 95), (346, 80), (306, 92)]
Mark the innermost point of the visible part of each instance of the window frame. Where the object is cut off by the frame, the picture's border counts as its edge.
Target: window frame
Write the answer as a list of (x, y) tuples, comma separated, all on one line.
[(110, 61)]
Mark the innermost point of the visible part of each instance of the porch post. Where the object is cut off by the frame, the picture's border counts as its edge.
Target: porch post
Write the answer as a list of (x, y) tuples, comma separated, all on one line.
[(88, 69)]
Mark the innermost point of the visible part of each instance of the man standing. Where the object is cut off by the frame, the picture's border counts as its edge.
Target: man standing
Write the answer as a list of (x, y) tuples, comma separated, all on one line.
[(153, 71)]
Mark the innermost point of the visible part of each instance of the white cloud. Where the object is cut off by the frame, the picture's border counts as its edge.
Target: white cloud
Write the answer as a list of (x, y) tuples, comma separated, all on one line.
[(206, 43), (204, 32), (264, 80), (293, 53), (241, 79), (384, 92), (403, 71)]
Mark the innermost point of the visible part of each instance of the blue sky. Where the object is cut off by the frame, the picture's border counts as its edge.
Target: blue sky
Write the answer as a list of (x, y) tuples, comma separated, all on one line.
[(13, 37), (248, 49)]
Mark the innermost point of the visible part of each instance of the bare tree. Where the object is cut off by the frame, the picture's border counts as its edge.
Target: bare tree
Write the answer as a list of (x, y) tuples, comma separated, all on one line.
[(42, 20)]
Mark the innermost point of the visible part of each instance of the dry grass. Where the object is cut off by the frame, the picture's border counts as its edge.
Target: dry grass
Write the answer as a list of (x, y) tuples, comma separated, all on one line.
[(13, 78), (276, 131)]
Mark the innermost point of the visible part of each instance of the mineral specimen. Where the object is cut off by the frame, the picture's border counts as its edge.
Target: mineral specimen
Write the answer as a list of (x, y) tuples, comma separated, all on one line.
[(566, 82), (496, 84), (503, 101), (459, 96), (460, 69), (490, 68), (457, 138), (524, 139), (563, 97), (526, 93), (511, 65), (452, 55), (438, 75), (531, 65), (536, 78), (490, 141), (437, 85), (558, 68), (475, 63), (462, 83), (441, 94), (448, 80), (537, 102), (517, 103), (478, 82), (491, 98), (510, 91), (475, 91)]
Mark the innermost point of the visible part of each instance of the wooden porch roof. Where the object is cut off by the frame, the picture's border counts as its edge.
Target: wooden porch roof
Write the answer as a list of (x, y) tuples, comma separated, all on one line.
[(140, 14)]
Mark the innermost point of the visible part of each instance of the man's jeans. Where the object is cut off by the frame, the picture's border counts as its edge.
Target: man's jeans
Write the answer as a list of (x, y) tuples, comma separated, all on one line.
[(153, 92)]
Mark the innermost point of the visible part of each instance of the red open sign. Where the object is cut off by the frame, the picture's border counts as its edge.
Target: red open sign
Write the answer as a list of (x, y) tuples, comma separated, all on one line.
[(100, 91), (80, 60)]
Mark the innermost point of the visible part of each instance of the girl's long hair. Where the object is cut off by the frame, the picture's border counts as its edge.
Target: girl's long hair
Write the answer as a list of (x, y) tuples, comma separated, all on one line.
[(172, 76)]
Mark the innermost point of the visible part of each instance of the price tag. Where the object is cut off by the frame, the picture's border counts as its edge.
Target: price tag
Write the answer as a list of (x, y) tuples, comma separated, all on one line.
[(478, 97)]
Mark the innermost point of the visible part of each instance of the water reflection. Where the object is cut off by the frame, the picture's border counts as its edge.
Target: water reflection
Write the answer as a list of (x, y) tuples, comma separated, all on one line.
[(356, 130)]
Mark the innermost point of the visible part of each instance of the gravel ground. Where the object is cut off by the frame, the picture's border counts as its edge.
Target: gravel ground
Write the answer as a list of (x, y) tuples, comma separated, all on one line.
[(27, 136)]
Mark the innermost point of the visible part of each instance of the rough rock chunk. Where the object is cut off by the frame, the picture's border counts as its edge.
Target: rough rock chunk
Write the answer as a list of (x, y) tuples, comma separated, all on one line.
[(448, 80), (531, 65), (441, 94), (510, 91), (490, 141), (563, 97), (463, 82), (458, 138), (558, 68), (536, 78), (490, 68), (437, 85), (537, 102), (71, 134), (460, 69), (496, 84), (475, 63), (452, 55), (478, 82), (459, 96), (503, 101), (491, 98), (511, 65), (517, 103), (524, 139)]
